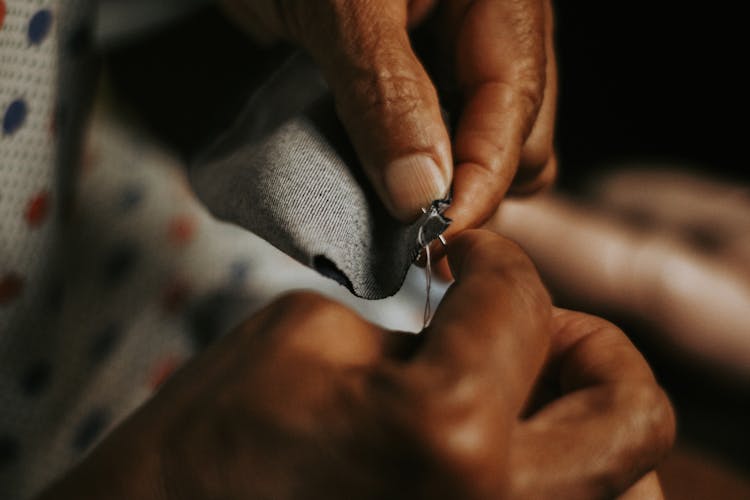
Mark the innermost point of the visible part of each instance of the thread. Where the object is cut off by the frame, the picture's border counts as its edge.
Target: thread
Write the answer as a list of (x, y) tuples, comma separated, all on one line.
[(427, 317)]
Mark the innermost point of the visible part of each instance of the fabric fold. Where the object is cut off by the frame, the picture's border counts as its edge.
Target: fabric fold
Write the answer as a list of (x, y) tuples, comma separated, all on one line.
[(287, 172)]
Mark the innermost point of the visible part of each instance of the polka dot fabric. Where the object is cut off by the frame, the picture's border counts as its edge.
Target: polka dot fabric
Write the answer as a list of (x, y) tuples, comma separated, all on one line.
[(28, 76), (99, 308), (28, 68)]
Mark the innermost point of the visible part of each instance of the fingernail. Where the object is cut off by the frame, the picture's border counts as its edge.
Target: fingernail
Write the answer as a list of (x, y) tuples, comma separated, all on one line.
[(413, 182)]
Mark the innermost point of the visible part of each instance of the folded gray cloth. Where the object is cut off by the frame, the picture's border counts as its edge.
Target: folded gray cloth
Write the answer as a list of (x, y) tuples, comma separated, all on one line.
[(286, 171)]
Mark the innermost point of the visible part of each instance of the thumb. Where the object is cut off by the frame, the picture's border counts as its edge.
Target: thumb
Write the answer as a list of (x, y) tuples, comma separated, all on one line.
[(493, 323), (384, 98)]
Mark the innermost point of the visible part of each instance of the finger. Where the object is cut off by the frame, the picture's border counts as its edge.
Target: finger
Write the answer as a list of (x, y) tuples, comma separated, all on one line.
[(315, 327), (591, 352), (532, 181), (385, 99), (540, 183), (501, 64), (538, 165), (613, 425), (679, 201), (600, 261), (460, 392), (647, 488), (493, 324)]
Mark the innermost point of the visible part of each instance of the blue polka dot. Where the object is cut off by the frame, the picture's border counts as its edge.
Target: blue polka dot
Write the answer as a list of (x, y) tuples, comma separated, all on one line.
[(238, 273), (89, 429), (36, 378), (39, 26), (15, 114), (130, 197), (9, 450), (104, 342)]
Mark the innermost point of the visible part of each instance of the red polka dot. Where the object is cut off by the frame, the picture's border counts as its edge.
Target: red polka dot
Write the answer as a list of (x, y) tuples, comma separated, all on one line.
[(175, 296), (181, 229), (2, 12), (37, 209), (11, 286), (162, 371)]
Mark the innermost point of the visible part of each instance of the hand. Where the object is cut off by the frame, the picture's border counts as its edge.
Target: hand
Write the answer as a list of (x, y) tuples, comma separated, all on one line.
[(670, 248), (307, 400), (501, 62)]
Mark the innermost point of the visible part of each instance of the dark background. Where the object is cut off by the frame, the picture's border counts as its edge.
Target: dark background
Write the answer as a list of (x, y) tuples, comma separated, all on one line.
[(654, 80)]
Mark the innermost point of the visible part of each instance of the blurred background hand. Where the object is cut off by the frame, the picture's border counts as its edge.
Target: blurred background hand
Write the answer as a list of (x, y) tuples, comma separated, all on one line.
[(668, 247)]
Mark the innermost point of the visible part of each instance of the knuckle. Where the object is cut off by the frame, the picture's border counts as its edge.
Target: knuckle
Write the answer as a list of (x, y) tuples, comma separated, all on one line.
[(482, 151), (529, 91), (581, 325), (459, 442), (324, 330), (461, 447), (453, 424), (385, 93)]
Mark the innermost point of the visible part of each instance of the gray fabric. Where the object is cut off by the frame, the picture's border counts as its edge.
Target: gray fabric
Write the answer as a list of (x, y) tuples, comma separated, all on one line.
[(286, 172)]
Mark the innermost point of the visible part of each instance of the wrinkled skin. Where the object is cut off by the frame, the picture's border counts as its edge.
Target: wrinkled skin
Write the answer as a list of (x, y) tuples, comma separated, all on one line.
[(502, 396), (491, 61)]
